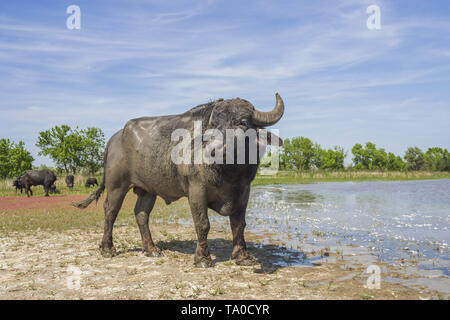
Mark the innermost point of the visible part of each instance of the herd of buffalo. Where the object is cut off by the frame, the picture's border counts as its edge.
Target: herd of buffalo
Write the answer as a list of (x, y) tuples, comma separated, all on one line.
[(47, 179)]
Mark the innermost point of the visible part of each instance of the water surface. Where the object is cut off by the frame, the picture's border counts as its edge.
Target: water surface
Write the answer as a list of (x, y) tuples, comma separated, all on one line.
[(398, 221)]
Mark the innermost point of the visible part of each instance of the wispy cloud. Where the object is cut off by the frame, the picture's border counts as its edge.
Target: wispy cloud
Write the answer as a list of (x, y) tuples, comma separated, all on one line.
[(338, 79)]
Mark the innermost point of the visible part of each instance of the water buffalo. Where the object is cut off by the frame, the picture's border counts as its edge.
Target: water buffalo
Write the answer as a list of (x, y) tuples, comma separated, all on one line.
[(17, 183), (44, 178), (91, 182), (69, 181), (53, 189), (139, 156)]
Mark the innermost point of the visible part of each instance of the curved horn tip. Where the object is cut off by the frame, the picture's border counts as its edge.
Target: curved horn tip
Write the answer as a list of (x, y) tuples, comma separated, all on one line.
[(271, 117)]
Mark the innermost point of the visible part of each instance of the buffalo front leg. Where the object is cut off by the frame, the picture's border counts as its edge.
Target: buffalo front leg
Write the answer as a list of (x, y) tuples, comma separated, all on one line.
[(28, 190), (112, 205), (240, 253), (237, 223), (144, 206), (199, 210)]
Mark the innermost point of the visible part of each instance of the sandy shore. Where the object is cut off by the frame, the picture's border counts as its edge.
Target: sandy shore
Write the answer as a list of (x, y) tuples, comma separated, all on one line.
[(68, 265)]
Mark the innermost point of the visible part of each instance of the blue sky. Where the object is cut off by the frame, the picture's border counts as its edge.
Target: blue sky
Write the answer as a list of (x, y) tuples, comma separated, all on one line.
[(341, 82)]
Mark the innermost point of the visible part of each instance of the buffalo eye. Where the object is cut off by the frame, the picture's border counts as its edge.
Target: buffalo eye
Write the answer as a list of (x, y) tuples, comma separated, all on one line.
[(244, 122)]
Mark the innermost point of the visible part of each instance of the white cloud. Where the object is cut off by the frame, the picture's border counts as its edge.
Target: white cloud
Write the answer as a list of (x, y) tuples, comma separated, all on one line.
[(133, 61)]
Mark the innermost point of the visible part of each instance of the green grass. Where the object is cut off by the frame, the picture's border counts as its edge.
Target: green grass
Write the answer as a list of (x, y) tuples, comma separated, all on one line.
[(365, 296), (65, 217), (293, 177)]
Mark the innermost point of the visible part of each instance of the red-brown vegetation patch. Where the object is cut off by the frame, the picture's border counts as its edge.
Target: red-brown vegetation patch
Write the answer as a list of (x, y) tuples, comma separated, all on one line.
[(38, 202)]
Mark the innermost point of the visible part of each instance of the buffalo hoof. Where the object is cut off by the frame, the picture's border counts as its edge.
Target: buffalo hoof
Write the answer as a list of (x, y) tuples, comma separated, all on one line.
[(203, 262), (108, 252), (153, 252), (246, 261)]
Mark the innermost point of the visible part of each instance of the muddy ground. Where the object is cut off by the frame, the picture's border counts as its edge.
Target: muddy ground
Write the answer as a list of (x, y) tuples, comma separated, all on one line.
[(44, 263)]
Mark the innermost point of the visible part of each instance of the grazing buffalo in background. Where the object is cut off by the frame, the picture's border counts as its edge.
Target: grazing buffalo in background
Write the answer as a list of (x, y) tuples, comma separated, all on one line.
[(69, 181), (44, 178), (91, 182), (139, 157), (18, 184), (53, 189)]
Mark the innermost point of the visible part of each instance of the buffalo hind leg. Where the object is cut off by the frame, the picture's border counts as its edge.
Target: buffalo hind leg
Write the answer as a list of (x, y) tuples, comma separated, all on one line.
[(199, 210), (112, 205), (144, 206)]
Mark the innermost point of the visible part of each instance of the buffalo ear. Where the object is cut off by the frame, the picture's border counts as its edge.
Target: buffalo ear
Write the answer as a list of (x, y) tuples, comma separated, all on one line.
[(273, 137)]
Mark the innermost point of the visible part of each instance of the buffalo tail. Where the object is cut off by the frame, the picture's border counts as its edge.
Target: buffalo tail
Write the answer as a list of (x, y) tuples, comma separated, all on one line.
[(93, 196)]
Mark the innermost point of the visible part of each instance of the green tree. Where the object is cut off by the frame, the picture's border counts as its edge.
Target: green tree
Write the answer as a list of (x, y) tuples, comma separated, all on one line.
[(93, 149), (369, 157), (285, 162), (317, 156), (63, 146), (360, 159), (395, 163), (14, 159), (298, 153), (332, 159), (380, 158), (437, 159), (72, 149), (414, 158), (5, 146), (20, 159)]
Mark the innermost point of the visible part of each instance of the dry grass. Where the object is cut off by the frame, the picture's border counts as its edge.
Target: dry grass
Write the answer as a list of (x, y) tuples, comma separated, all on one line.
[(296, 177), (63, 216)]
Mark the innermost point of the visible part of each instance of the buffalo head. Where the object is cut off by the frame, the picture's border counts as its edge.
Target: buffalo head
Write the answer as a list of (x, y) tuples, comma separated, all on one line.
[(242, 117)]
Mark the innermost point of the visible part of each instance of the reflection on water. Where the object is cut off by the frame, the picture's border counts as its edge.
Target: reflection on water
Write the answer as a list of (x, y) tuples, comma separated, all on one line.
[(297, 197), (397, 220)]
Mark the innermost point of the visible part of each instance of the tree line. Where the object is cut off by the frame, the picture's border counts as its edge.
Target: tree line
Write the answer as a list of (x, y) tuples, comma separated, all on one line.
[(71, 150), (300, 153)]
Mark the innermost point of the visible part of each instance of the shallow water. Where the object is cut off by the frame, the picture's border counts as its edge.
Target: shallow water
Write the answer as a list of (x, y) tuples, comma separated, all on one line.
[(400, 222)]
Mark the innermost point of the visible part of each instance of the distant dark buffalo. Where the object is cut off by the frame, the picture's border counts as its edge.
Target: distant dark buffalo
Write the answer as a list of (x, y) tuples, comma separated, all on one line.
[(44, 178), (140, 157), (69, 181), (18, 184), (91, 182), (53, 189)]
